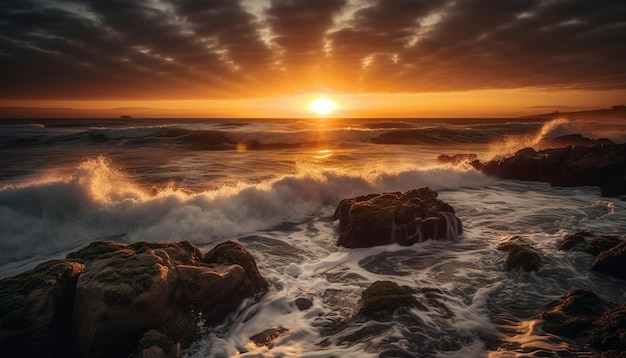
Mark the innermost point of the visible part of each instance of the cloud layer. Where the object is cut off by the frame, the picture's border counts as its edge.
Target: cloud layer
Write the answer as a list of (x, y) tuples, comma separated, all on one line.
[(175, 49)]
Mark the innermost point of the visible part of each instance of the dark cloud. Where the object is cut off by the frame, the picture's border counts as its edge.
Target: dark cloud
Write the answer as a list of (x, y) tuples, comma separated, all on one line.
[(299, 31), (218, 48)]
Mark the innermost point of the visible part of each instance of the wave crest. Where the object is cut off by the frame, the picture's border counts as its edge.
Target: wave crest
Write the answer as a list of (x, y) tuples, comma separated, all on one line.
[(98, 201)]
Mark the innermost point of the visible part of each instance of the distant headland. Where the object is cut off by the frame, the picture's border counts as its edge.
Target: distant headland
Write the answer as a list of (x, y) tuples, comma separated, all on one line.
[(618, 111)]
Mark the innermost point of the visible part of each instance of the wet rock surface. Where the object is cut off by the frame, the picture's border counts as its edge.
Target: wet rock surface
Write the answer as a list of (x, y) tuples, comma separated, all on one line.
[(610, 251), (612, 262), (102, 299), (521, 255), (598, 165), (383, 298), (403, 218), (584, 317)]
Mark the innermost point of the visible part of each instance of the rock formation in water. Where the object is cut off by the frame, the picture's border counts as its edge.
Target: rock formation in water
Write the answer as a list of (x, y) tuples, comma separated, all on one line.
[(584, 317), (610, 251), (383, 298), (612, 262), (600, 165), (106, 298), (403, 218), (521, 255)]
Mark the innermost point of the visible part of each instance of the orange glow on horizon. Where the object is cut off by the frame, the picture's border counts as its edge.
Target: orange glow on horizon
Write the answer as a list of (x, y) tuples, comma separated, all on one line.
[(484, 103)]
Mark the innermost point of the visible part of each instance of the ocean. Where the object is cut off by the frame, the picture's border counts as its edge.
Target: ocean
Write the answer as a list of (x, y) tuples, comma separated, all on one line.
[(274, 184)]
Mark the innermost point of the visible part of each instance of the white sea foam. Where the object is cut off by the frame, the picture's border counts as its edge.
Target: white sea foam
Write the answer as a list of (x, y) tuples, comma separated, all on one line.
[(55, 213)]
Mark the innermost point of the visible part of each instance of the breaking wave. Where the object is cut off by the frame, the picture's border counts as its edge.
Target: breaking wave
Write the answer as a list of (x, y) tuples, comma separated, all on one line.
[(55, 213)]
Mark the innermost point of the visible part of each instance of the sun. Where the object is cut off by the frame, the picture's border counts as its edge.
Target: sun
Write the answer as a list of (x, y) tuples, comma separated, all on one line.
[(323, 106)]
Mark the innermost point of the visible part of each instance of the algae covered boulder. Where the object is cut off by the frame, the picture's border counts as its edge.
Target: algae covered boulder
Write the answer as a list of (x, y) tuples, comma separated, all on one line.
[(231, 252), (383, 298), (582, 316), (612, 262), (403, 218), (103, 299), (172, 286), (585, 241), (155, 344), (521, 256), (36, 310), (573, 315), (609, 332)]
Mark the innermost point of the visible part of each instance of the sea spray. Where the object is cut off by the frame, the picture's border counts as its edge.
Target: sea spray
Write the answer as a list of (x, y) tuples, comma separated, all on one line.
[(509, 144), (99, 201)]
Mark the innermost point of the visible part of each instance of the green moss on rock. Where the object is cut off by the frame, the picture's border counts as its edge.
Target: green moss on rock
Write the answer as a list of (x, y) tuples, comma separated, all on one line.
[(14, 290), (609, 332), (573, 315), (99, 250), (154, 338), (521, 256), (382, 298), (106, 249), (230, 252), (122, 296)]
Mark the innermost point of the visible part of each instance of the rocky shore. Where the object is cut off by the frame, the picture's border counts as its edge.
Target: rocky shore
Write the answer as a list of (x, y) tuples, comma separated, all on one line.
[(602, 165), (150, 299), (112, 300)]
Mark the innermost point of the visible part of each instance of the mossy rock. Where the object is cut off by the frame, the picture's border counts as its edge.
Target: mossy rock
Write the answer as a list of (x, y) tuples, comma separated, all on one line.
[(14, 291), (99, 250), (190, 253), (585, 241), (521, 256), (383, 298), (36, 310), (612, 262), (573, 315), (154, 338), (404, 218), (609, 332), (231, 252)]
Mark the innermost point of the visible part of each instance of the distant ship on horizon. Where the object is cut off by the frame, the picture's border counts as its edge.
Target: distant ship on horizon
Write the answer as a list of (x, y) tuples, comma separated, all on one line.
[(125, 116)]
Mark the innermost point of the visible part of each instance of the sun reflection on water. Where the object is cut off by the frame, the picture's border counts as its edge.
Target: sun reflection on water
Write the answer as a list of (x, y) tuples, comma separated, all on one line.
[(323, 154)]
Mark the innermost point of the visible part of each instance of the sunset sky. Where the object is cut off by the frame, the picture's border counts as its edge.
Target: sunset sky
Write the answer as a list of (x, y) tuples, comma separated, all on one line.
[(271, 58)]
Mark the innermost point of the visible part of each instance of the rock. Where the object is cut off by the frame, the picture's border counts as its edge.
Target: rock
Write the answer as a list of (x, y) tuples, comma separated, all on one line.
[(230, 252), (36, 310), (104, 300), (612, 262), (521, 256), (599, 165), (585, 241), (143, 286), (403, 218), (613, 188), (572, 140), (582, 316), (267, 337), (575, 242), (383, 298), (155, 344), (609, 332), (573, 315), (303, 304)]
